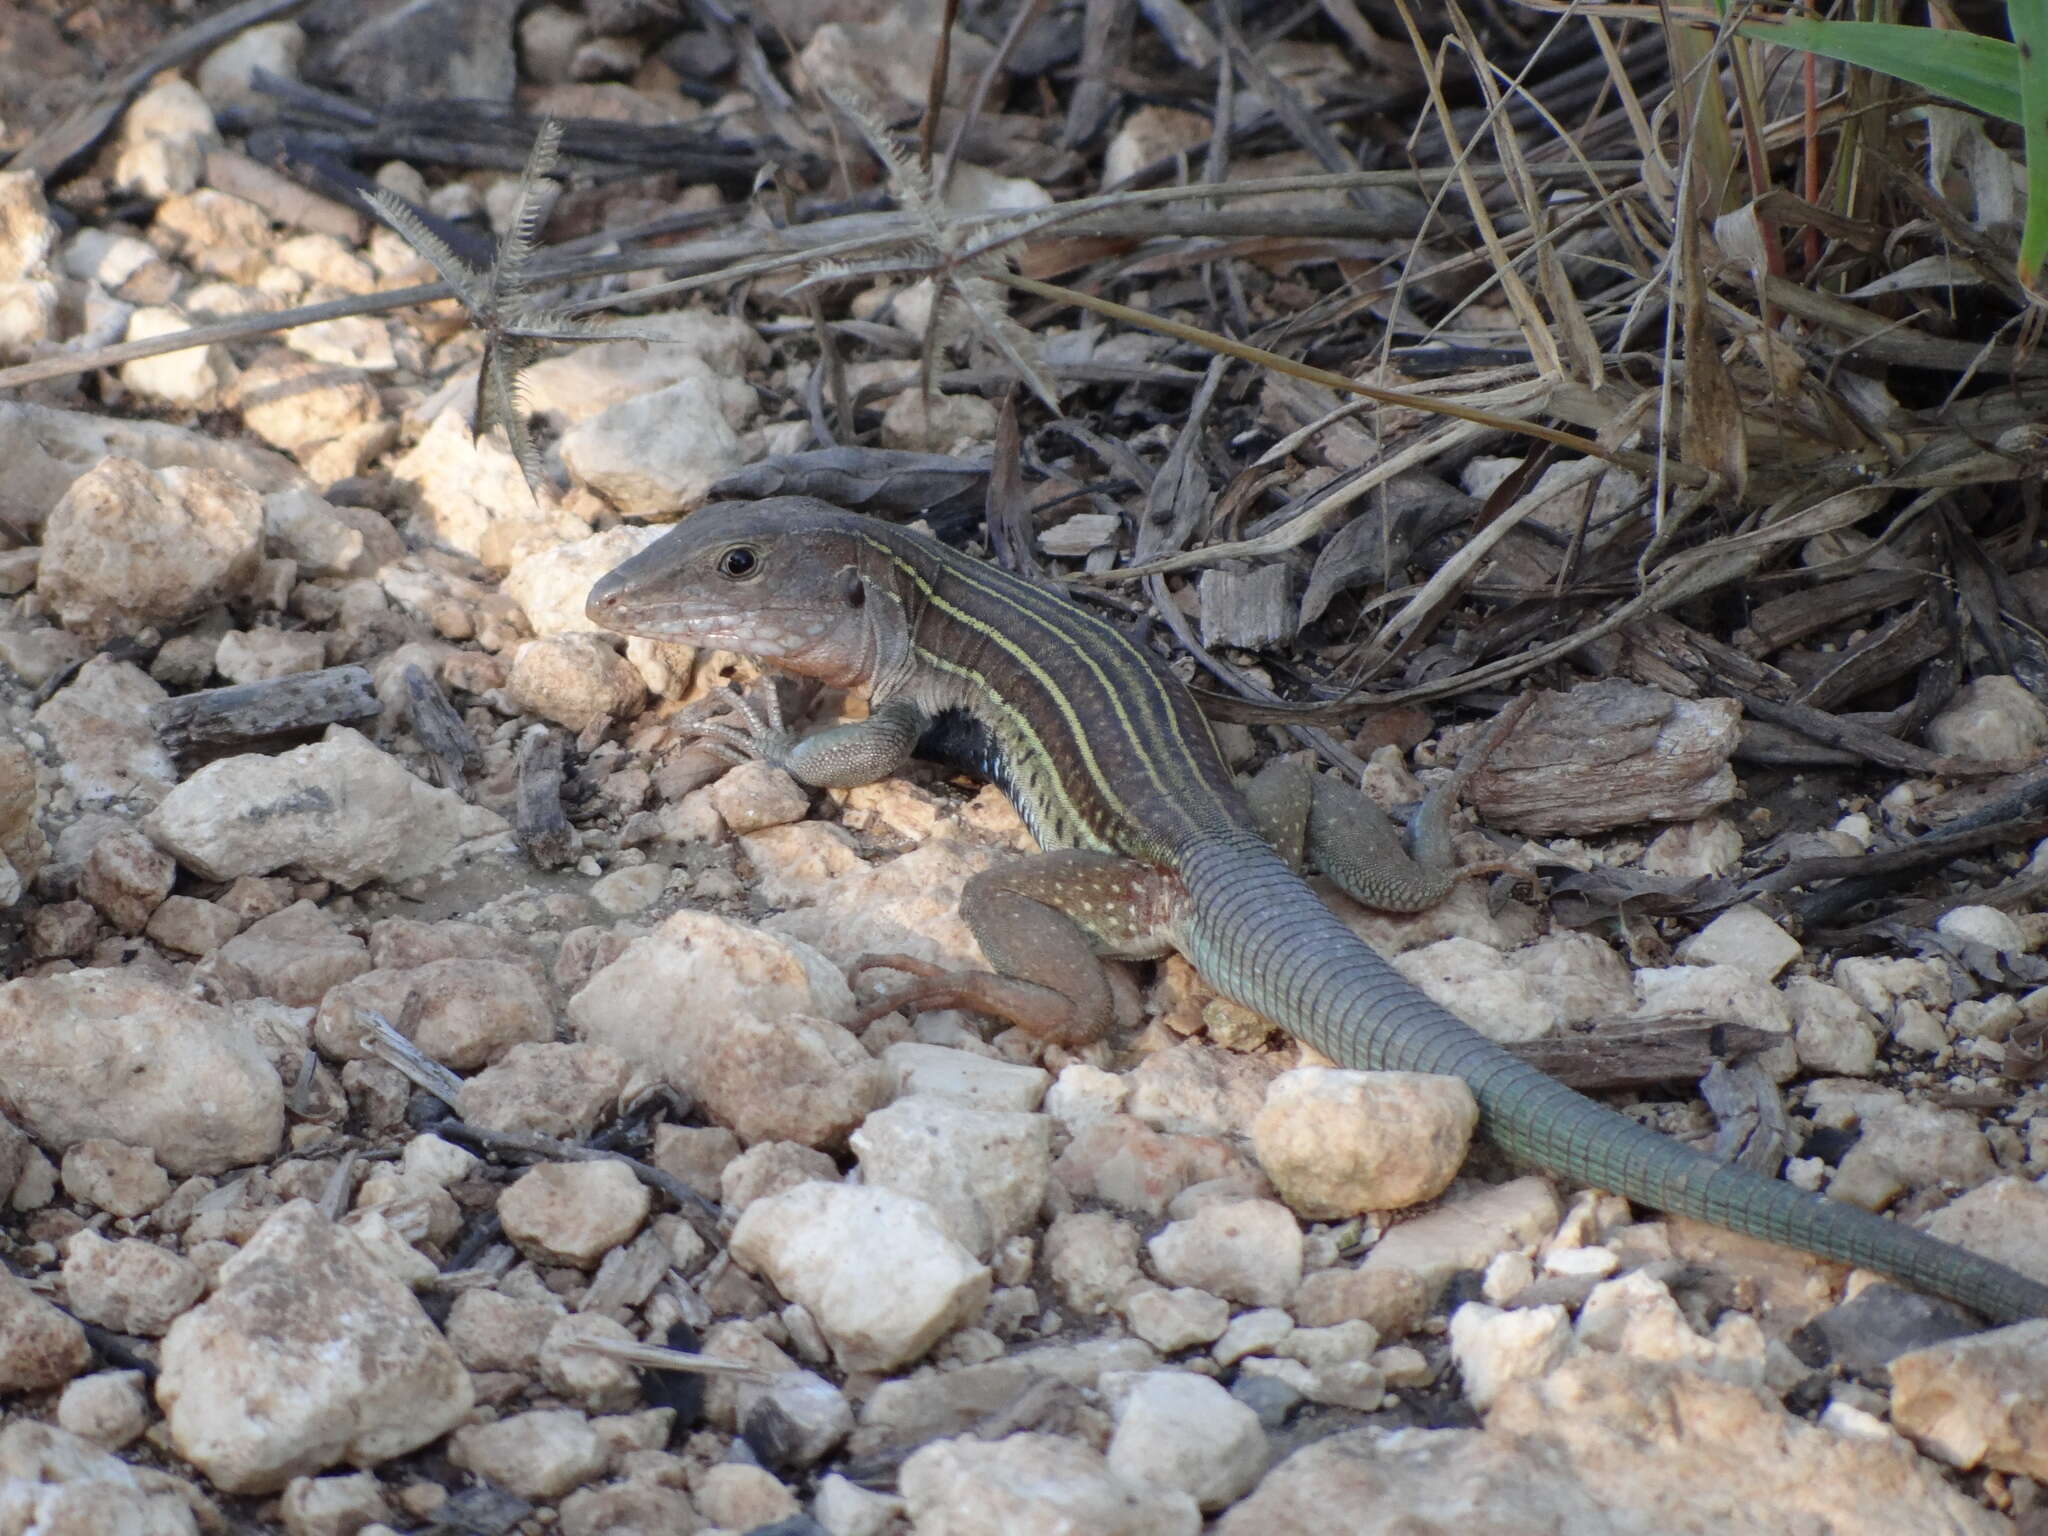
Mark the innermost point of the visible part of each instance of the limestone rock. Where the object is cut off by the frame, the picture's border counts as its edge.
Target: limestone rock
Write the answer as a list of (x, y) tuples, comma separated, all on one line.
[(306, 1355)]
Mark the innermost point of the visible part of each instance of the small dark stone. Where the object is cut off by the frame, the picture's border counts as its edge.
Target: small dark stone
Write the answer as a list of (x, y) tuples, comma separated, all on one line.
[(1466, 1285), (1267, 1396), (1830, 1144), (795, 1525), (1865, 1335), (681, 1390)]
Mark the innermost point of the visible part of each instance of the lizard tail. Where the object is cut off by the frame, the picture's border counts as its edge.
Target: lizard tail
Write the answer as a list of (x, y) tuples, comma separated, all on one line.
[(1269, 942)]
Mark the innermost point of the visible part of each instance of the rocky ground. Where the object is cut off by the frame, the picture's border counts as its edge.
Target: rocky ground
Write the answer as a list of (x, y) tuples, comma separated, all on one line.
[(259, 1279)]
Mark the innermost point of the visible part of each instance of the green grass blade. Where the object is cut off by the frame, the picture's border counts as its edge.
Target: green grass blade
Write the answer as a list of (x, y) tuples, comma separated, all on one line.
[(1980, 72), (2029, 22)]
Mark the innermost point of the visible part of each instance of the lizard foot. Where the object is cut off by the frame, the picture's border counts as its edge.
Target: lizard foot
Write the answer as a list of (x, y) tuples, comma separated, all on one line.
[(1039, 1011), (1526, 878)]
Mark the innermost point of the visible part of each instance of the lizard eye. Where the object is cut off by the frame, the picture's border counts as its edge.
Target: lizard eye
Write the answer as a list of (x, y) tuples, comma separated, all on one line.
[(738, 563), (852, 588)]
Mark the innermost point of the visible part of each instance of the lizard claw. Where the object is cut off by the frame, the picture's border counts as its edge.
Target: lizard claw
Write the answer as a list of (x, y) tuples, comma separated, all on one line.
[(761, 737)]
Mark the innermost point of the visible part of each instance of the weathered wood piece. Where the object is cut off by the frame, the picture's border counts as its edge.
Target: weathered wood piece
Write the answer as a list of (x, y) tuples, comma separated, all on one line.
[(251, 713), (1609, 754), (1248, 608), (538, 821), (1643, 1053), (438, 728)]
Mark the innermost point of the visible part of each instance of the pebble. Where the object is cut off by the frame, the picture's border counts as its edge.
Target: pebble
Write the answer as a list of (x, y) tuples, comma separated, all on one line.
[(128, 546), (537, 1455), (573, 1213), (875, 1268), (40, 1347), (128, 1285), (306, 1354), (1245, 1250), (1186, 1432), (340, 808), (112, 1055), (983, 1171), (1338, 1143)]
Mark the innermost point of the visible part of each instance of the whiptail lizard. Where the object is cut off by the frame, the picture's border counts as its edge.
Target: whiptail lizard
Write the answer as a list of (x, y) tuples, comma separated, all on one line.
[(1152, 844)]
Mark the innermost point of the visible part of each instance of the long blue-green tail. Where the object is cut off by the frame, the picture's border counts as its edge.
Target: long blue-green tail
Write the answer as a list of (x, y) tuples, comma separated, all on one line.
[(1266, 939)]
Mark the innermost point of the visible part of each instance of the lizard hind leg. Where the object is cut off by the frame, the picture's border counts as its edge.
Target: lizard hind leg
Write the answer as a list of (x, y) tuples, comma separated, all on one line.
[(1309, 816), (1045, 924)]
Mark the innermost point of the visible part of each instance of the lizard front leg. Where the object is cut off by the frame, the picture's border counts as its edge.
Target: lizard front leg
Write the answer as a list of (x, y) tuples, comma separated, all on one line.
[(1045, 924), (838, 757), (1309, 816)]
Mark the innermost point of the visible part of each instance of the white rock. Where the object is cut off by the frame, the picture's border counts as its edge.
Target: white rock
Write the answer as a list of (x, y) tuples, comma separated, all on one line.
[(847, 1509), (359, 342), (491, 1331), (1988, 926), (1173, 1320), (194, 379), (1246, 1250), (1719, 991), (307, 1354), (28, 235), (983, 1171), (47, 451), (99, 726), (2006, 1220), (1745, 937), (113, 1055), (334, 1506), (1493, 1348), (1636, 1315), (161, 149), (130, 1286), (574, 680), (58, 1484), (128, 546), (1466, 1231), (573, 1213), (553, 585), (109, 1408), (539, 1455), (1604, 1446), (427, 1156), (1091, 1257), (327, 417), (655, 455), (1912, 1146), (324, 541), (1337, 1143), (338, 808), (875, 1268), (1034, 1485), (737, 1497), (1476, 982), (964, 1076), (1257, 1332), (1975, 1401), (1992, 719), (1083, 1093), (757, 1046), (713, 350), (1579, 977), (259, 655), (227, 75), (40, 1347), (1342, 1370), (1829, 1030), (1185, 1431), (1710, 846), (473, 497)]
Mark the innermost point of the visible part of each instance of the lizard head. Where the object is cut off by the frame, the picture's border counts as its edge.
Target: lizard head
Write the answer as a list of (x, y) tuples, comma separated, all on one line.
[(780, 579)]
